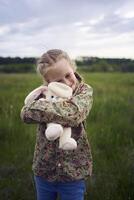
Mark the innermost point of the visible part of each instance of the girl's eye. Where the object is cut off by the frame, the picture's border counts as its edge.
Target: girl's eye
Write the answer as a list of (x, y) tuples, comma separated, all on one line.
[(67, 76)]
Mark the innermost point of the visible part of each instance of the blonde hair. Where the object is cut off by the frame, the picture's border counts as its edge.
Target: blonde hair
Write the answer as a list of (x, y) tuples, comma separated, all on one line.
[(49, 58)]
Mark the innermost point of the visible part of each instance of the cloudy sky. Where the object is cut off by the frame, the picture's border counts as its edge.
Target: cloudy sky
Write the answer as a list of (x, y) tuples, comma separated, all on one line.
[(100, 28)]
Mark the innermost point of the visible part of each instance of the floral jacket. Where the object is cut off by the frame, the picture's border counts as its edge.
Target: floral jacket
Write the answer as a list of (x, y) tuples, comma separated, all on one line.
[(51, 162)]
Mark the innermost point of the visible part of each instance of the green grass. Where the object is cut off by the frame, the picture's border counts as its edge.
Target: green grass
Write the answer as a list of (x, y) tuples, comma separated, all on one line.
[(110, 130)]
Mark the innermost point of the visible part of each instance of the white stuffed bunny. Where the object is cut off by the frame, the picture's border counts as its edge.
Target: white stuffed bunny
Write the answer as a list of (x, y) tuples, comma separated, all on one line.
[(59, 92), (56, 92)]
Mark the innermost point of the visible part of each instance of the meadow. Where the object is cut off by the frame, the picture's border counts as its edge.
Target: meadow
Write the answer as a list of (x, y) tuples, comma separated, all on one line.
[(110, 128)]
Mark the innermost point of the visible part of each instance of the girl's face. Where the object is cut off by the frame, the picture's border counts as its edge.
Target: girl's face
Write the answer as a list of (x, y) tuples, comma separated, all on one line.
[(62, 72)]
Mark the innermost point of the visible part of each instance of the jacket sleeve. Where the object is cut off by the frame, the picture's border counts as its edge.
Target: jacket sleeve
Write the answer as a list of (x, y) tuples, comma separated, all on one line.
[(67, 113)]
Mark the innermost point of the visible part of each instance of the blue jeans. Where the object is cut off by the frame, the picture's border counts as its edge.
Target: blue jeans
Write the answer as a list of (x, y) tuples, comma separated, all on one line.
[(73, 190)]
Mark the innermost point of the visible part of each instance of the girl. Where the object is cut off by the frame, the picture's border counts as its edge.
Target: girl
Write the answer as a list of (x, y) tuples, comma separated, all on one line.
[(58, 171)]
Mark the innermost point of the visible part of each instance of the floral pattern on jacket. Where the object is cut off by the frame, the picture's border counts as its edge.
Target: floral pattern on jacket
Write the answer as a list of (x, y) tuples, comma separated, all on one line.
[(49, 161)]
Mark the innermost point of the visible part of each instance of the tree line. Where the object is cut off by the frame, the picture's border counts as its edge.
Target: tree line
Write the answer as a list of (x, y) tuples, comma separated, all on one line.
[(92, 64), (17, 64), (105, 64)]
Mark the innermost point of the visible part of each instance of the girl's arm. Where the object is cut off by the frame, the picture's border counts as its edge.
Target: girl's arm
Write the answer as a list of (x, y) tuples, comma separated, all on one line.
[(67, 113)]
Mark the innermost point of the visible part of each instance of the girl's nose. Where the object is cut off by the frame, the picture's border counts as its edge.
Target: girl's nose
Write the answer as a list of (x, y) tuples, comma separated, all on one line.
[(67, 82)]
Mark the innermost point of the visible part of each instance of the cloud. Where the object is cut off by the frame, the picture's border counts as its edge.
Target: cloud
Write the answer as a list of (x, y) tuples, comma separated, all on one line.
[(27, 27), (54, 11), (114, 23)]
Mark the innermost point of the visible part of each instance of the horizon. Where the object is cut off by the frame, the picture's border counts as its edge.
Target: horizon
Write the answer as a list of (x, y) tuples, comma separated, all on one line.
[(22, 57)]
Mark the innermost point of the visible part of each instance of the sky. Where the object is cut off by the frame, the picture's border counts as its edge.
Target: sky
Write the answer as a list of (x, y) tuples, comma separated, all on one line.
[(100, 28)]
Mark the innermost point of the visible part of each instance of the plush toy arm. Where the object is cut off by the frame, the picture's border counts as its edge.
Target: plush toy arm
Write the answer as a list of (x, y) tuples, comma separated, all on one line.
[(35, 94)]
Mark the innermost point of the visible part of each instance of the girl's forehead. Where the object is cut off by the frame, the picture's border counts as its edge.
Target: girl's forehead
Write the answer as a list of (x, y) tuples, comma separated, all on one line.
[(58, 71)]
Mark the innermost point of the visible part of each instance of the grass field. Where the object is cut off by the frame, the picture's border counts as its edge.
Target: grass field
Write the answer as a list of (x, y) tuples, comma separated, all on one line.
[(110, 128)]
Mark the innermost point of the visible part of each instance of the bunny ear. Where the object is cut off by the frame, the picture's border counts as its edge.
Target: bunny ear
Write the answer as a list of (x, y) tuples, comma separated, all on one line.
[(34, 94), (60, 89)]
